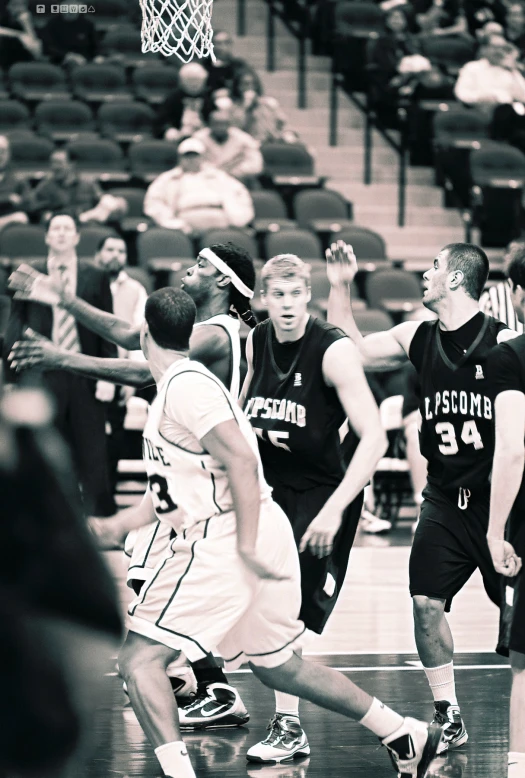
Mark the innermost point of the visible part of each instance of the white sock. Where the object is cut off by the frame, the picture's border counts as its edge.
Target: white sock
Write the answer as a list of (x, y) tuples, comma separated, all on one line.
[(516, 765), (381, 719), (441, 681), (174, 760), (286, 704)]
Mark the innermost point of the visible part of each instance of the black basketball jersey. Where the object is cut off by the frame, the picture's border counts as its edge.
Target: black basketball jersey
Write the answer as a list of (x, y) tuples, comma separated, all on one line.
[(457, 431), (295, 414)]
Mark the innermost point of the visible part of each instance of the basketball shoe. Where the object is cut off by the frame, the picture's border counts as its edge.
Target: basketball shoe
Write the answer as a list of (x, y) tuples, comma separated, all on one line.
[(215, 705), (412, 747), (286, 740), (449, 718)]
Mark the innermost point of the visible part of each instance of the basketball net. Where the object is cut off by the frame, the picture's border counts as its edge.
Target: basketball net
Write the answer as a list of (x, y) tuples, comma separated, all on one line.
[(182, 28)]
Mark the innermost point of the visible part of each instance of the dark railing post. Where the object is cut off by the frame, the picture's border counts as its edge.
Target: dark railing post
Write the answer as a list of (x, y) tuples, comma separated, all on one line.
[(334, 104), (241, 18), (369, 140), (402, 177), (301, 69), (270, 38)]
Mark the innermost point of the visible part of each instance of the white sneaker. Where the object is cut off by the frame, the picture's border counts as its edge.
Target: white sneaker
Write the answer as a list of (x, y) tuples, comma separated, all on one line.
[(217, 705), (286, 741), (373, 525), (412, 747)]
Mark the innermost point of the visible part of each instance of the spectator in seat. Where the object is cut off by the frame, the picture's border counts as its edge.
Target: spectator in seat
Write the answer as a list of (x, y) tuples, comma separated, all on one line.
[(70, 39), (195, 196), (14, 194), (64, 190), (231, 149), (259, 116), (495, 85), (479, 12), (227, 68), (515, 26), (440, 17), (180, 115), (129, 301), (27, 46)]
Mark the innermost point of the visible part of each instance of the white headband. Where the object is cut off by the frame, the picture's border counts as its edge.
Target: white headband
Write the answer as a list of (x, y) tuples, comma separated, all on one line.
[(217, 262)]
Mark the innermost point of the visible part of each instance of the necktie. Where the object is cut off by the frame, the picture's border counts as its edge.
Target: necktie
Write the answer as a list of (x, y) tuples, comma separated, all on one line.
[(65, 332)]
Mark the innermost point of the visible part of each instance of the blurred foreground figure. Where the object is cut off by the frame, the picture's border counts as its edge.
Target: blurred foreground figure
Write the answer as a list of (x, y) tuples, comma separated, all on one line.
[(60, 620)]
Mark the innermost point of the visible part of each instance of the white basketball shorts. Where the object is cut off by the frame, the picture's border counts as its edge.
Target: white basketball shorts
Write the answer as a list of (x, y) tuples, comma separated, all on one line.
[(150, 546), (202, 596)]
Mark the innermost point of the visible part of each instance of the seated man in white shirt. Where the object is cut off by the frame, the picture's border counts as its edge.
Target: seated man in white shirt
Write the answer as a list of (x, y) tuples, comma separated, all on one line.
[(231, 149), (195, 196), (492, 80)]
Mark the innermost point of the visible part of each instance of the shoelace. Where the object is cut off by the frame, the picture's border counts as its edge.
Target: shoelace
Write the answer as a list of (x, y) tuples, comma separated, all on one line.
[(278, 730)]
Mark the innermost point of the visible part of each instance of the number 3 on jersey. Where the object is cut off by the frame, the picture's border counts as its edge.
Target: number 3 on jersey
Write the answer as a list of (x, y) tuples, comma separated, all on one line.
[(162, 501), (449, 444)]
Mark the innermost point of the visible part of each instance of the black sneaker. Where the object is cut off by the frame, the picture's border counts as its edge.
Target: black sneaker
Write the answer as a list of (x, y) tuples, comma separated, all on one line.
[(449, 717), (216, 705), (413, 747)]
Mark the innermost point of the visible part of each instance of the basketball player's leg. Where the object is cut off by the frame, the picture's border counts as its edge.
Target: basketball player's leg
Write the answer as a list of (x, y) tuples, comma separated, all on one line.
[(440, 565)]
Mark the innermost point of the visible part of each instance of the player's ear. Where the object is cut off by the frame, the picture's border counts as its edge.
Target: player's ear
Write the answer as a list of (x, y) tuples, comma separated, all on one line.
[(456, 279), (223, 281), (308, 293)]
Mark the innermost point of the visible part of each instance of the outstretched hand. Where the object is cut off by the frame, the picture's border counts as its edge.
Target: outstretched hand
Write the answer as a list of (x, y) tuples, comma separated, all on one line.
[(341, 264), (34, 350), (321, 532), (30, 284)]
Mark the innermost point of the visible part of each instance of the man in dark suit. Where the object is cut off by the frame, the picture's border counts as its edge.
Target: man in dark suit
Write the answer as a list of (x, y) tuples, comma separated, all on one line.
[(79, 401)]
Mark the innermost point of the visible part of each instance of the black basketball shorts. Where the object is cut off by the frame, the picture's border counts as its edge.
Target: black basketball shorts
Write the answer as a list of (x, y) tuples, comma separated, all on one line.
[(321, 579), (449, 544), (512, 621)]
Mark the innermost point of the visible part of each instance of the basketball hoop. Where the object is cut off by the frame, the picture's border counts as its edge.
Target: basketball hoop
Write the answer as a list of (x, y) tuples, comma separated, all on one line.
[(181, 27)]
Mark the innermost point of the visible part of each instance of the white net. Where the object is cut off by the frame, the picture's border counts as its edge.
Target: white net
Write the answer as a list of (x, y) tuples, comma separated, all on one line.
[(182, 28)]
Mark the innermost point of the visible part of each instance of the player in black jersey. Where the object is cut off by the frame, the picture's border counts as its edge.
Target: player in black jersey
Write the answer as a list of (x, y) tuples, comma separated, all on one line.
[(304, 378), (506, 531), (456, 437)]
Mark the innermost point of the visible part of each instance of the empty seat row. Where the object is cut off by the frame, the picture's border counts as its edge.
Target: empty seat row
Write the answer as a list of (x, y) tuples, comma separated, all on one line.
[(93, 82)]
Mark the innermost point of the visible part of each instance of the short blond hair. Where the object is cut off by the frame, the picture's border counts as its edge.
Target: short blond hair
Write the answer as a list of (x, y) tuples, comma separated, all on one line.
[(285, 267)]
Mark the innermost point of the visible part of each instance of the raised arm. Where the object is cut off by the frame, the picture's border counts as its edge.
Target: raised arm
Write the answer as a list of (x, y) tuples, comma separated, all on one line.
[(381, 350), (343, 371), (29, 284)]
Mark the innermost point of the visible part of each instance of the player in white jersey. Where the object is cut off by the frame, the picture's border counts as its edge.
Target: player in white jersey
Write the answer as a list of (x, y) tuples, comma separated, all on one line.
[(224, 582), (222, 278)]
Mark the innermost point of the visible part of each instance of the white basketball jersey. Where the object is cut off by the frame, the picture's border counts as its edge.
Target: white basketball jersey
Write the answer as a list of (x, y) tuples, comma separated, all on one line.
[(232, 327), (193, 482)]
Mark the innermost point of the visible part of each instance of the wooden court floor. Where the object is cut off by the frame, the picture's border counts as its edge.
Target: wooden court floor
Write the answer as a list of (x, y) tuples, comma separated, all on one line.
[(369, 638)]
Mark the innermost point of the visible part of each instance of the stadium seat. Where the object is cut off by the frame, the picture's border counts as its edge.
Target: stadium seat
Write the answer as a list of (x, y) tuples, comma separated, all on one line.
[(369, 321), (149, 158), (135, 218), (100, 159), (457, 131), (241, 238), (14, 116), (142, 276), (355, 23), (153, 81), (23, 243), (125, 43), (110, 14), (270, 211), (160, 249), (64, 121), (100, 83), (4, 93), (126, 122), (321, 210), (289, 164), (498, 177), (303, 243), (36, 81), (91, 237), (30, 155), (396, 291), (367, 244), (448, 53)]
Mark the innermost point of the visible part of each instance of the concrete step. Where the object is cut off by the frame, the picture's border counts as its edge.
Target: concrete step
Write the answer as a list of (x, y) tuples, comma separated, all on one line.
[(286, 79), (386, 193), (417, 242), (416, 216), (319, 117), (347, 136), (344, 160)]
